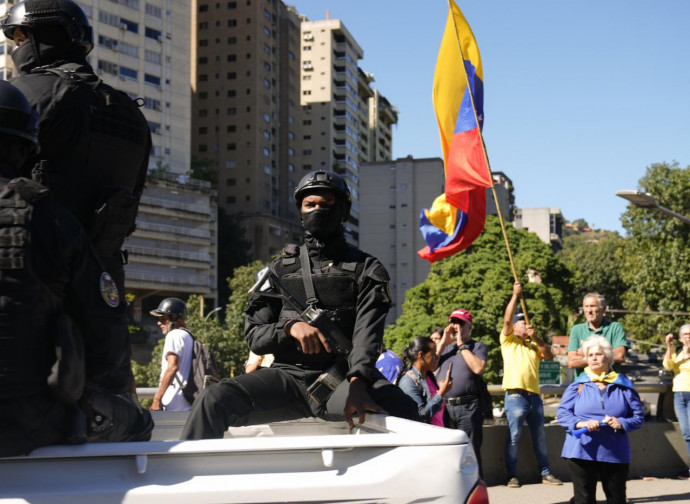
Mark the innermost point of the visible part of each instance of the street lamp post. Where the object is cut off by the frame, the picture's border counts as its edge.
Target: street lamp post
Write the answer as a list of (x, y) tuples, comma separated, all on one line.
[(646, 200)]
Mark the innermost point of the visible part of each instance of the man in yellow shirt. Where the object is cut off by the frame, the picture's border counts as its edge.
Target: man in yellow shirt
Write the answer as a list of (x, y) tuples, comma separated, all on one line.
[(522, 350)]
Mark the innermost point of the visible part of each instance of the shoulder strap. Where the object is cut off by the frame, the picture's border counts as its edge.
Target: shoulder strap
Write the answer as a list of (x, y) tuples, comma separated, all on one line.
[(306, 276), (414, 378)]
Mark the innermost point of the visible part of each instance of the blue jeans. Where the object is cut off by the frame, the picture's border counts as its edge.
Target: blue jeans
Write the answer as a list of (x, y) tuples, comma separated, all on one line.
[(518, 408), (681, 403)]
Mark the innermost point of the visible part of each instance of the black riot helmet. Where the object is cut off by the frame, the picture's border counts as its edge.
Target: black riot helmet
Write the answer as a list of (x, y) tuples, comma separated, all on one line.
[(173, 307), (33, 15), (322, 179), (17, 117)]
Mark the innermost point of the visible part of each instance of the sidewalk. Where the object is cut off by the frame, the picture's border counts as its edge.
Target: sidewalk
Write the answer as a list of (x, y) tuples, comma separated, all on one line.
[(665, 490)]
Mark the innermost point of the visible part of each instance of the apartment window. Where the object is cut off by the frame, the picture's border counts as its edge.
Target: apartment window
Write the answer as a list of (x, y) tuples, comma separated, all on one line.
[(249, 20), (232, 5), (132, 4), (128, 25), (267, 118), (203, 95), (291, 151), (232, 111), (203, 148), (232, 23), (203, 8), (232, 40), (128, 73), (203, 60), (231, 128), (203, 78), (232, 75), (232, 146), (153, 34), (203, 43), (107, 18), (152, 57), (291, 168), (203, 25), (232, 57), (306, 152), (154, 11), (152, 80), (231, 93), (267, 15), (203, 112), (267, 32), (155, 128), (231, 181), (267, 135), (266, 152), (230, 199), (203, 130), (267, 83), (267, 49), (107, 67)]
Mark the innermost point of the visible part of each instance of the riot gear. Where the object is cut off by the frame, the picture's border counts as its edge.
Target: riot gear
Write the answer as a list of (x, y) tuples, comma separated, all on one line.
[(34, 15), (173, 307), (17, 116), (322, 179)]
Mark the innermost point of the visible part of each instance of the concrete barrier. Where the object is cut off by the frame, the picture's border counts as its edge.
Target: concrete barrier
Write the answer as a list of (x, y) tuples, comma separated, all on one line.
[(658, 450)]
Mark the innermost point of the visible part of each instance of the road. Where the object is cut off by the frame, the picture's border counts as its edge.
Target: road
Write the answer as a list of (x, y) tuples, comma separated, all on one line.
[(669, 491)]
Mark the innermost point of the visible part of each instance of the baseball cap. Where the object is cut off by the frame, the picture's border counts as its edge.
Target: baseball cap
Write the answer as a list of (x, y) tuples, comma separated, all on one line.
[(460, 314), (518, 317)]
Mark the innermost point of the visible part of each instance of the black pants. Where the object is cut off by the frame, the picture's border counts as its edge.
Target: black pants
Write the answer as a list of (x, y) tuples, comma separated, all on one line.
[(585, 474), (275, 394), (469, 418)]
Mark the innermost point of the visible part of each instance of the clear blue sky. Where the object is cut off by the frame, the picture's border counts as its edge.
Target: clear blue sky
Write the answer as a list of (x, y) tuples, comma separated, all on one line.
[(580, 97)]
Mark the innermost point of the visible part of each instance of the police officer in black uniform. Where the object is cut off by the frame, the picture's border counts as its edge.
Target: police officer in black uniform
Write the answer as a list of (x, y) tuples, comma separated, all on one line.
[(54, 294), (95, 145), (352, 287)]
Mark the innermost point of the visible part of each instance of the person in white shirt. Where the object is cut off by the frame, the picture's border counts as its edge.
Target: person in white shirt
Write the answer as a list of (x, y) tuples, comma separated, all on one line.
[(177, 356)]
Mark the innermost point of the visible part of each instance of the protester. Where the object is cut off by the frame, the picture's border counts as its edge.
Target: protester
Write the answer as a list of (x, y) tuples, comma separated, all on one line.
[(437, 334), (465, 359), (309, 377), (418, 380), (389, 364), (522, 350), (176, 360), (605, 405), (679, 363), (594, 307)]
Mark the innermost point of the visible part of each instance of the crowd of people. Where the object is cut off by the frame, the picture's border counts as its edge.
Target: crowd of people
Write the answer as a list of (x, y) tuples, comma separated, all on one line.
[(66, 378)]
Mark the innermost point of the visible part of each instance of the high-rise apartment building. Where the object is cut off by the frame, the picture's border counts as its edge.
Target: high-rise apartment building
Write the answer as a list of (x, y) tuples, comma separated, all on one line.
[(392, 196), (547, 223), (346, 121), (247, 117)]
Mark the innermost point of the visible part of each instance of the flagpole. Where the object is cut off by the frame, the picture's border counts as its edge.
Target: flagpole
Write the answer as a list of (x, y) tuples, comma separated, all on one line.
[(488, 165)]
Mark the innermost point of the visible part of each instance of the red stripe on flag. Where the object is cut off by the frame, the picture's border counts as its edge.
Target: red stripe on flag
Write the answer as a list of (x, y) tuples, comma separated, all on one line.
[(467, 168)]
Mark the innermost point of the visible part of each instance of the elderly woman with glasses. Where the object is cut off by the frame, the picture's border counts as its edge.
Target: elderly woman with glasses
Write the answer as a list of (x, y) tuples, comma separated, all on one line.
[(679, 363), (598, 411)]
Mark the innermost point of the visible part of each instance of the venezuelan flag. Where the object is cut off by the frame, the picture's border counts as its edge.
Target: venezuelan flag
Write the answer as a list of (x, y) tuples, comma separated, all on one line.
[(457, 217)]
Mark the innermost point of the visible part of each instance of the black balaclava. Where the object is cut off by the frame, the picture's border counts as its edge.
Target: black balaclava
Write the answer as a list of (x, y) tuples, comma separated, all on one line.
[(324, 224), (42, 47)]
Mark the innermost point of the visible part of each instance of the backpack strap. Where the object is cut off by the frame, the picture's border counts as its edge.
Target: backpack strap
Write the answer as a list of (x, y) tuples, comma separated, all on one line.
[(410, 373)]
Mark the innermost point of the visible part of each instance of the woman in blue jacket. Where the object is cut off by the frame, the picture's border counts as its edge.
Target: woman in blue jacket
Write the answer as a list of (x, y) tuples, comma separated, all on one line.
[(605, 407), (418, 381)]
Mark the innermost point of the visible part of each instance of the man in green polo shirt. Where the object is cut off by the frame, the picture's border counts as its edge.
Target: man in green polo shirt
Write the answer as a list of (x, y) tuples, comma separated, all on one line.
[(594, 306)]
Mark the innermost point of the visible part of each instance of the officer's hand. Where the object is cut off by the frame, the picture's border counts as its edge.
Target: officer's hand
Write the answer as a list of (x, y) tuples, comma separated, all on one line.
[(155, 405), (358, 401), (311, 340)]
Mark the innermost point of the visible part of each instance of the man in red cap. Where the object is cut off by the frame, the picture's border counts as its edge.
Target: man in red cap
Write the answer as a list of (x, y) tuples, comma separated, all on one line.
[(466, 359)]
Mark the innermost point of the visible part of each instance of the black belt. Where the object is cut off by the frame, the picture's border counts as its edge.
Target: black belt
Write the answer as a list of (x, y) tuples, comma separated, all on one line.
[(454, 401)]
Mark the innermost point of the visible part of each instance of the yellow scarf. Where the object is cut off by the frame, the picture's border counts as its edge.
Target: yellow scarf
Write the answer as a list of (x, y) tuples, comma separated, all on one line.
[(609, 377)]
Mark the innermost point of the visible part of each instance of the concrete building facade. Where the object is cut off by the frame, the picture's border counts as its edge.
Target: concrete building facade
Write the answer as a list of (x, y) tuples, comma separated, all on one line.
[(547, 223)]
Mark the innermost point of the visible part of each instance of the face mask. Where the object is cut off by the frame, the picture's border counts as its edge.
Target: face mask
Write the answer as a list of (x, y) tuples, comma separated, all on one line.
[(24, 57), (322, 224)]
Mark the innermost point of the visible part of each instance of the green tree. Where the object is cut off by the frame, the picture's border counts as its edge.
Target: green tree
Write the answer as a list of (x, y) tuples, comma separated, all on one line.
[(596, 261), (480, 280), (202, 169), (655, 265)]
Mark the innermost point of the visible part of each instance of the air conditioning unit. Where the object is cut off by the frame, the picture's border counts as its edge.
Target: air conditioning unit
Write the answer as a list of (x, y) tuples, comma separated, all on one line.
[(160, 39), (123, 26)]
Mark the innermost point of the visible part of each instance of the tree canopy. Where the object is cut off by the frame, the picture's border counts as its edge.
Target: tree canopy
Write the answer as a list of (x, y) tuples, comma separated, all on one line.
[(480, 280), (655, 264)]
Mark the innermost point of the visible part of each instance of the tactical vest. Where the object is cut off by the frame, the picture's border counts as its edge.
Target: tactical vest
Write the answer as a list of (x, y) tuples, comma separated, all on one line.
[(100, 179), (28, 307), (337, 287)]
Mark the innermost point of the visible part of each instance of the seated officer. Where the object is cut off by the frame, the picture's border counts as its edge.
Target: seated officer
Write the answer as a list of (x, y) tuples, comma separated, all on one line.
[(352, 288), (54, 297)]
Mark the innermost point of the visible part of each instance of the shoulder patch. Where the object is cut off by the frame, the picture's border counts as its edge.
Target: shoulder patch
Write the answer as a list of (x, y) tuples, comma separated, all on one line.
[(109, 291)]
